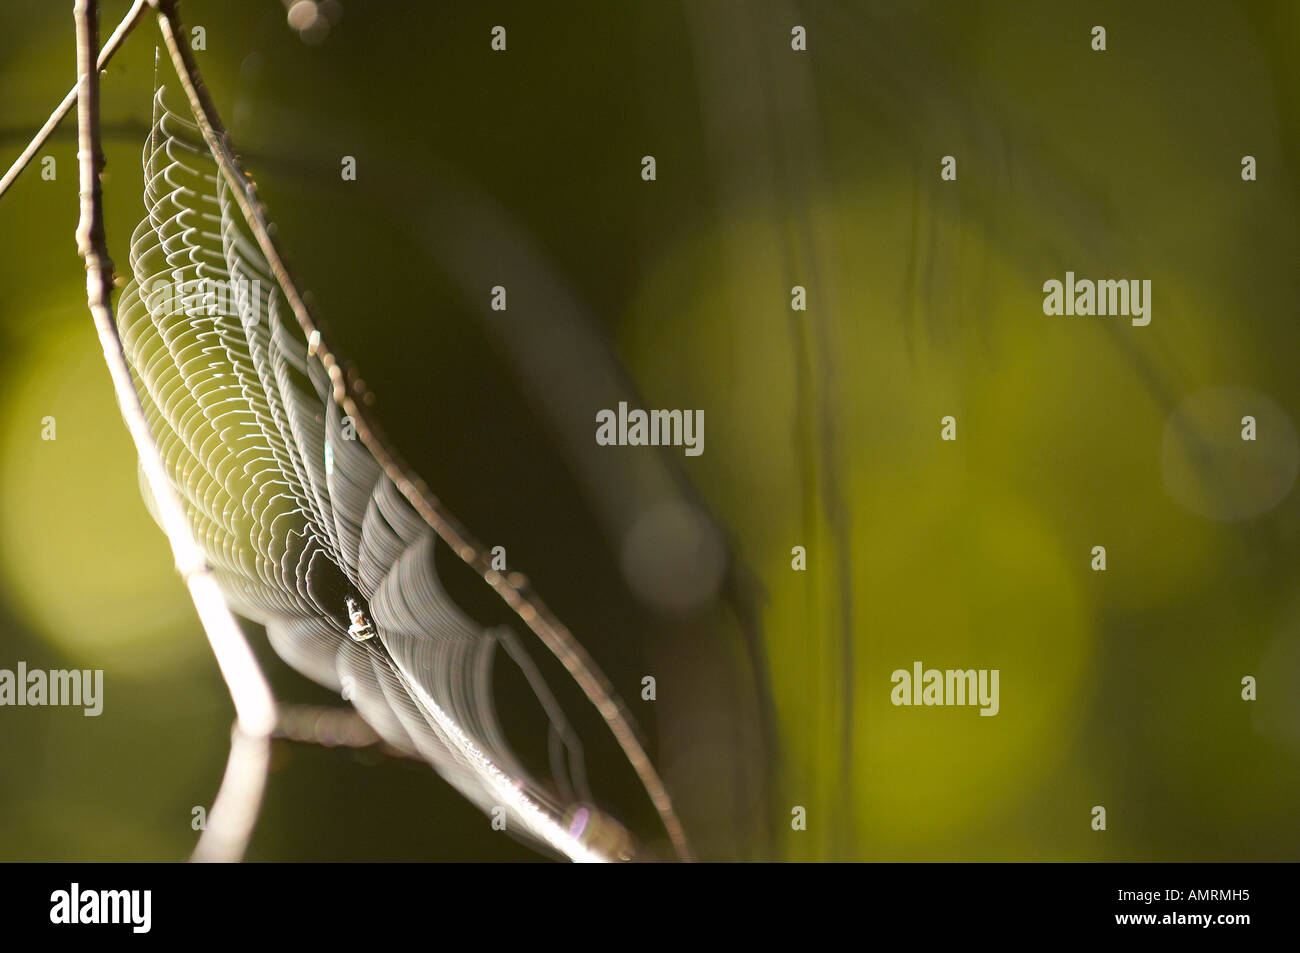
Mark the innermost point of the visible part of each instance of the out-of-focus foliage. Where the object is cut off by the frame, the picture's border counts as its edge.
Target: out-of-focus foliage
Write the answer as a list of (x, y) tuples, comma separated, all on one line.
[(774, 169)]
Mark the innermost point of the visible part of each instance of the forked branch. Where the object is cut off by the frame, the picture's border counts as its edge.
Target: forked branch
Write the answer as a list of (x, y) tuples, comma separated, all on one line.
[(235, 810), (516, 594), (129, 23)]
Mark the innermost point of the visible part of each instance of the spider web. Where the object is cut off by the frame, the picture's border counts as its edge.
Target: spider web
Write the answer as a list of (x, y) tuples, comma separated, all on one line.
[(295, 514)]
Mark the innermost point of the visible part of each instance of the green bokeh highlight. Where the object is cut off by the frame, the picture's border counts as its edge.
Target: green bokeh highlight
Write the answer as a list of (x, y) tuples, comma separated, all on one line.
[(1119, 688)]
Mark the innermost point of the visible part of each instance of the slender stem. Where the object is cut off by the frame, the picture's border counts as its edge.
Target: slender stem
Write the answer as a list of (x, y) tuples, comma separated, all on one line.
[(230, 823), (129, 23), (527, 605), (238, 801), (329, 727)]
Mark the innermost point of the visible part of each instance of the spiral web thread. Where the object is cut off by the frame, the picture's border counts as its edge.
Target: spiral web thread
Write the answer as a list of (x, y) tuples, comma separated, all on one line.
[(299, 523)]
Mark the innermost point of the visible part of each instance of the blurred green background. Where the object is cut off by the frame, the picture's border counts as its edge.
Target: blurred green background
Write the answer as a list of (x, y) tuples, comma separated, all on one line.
[(775, 169)]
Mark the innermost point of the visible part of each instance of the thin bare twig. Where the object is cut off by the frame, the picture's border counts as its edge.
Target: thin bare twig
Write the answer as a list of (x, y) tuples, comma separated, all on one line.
[(129, 23), (235, 810), (512, 588), (239, 799), (330, 727)]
